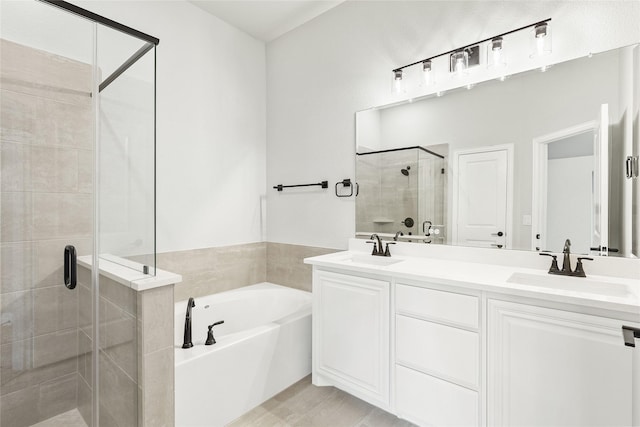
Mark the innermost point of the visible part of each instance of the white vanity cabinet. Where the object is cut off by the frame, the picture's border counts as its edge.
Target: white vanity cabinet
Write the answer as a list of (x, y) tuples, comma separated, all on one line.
[(549, 367), (437, 356), (351, 335)]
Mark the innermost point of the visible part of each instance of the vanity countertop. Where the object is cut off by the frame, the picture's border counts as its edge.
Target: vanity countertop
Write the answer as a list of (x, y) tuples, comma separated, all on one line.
[(602, 292)]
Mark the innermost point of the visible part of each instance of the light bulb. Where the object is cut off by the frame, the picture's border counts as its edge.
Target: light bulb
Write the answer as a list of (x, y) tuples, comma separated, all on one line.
[(459, 62), (427, 73), (398, 82), (541, 40), (495, 53)]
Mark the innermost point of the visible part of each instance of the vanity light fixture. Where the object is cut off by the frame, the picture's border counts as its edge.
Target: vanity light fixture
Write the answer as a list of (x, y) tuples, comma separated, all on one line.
[(495, 53), (540, 40), (459, 57)]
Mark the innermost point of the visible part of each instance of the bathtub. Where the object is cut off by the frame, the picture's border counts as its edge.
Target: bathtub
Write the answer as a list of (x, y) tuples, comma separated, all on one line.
[(262, 348)]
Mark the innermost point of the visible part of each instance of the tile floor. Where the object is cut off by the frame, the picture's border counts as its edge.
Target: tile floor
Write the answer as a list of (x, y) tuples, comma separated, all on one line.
[(305, 405)]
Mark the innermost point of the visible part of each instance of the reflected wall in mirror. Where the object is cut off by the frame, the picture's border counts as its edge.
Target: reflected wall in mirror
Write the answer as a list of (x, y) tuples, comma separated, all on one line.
[(528, 162)]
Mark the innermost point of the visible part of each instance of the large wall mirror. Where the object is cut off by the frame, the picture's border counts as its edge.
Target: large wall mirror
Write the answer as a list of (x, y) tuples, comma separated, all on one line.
[(520, 163)]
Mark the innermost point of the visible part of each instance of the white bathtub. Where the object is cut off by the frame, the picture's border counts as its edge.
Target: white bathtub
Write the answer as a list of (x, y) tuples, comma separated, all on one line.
[(263, 347)]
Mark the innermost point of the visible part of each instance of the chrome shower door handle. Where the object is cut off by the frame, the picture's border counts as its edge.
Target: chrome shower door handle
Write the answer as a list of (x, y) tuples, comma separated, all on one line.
[(70, 267)]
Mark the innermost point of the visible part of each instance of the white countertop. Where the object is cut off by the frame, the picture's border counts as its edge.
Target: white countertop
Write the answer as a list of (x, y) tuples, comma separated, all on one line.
[(603, 292), (128, 273)]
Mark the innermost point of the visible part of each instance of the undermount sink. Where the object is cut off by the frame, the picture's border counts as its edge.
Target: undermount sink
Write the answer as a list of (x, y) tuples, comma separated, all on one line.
[(568, 283), (380, 261)]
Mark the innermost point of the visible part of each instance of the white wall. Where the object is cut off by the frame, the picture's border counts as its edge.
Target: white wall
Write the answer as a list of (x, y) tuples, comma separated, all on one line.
[(211, 120), (320, 74), (569, 204)]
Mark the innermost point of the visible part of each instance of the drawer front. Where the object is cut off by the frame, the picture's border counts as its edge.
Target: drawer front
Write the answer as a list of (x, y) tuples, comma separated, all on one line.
[(438, 305), (444, 351), (427, 400)]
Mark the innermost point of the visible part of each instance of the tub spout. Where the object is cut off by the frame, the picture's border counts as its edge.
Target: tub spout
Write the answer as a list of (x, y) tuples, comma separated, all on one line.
[(187, 325)]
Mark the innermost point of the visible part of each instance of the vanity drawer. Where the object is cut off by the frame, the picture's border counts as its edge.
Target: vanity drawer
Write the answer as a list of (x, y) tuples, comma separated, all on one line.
[(427, 400), (437, 305), (447, 352)]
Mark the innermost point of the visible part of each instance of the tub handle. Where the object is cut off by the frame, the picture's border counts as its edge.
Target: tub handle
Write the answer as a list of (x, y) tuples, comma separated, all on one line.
[(210, 339)]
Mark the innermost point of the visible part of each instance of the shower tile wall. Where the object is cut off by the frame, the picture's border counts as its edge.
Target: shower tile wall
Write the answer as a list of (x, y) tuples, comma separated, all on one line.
[(387, 196), (46, 203)]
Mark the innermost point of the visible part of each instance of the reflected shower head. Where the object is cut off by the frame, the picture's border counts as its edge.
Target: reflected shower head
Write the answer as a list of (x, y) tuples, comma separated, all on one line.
[(405, 172)]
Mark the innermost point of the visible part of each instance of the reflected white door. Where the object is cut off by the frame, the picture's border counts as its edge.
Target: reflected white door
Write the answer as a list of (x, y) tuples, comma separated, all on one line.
[(600, 238), (481, 184)]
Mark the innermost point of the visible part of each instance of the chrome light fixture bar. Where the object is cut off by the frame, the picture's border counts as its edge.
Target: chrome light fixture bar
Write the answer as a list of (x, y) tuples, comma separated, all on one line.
[(538, 28)]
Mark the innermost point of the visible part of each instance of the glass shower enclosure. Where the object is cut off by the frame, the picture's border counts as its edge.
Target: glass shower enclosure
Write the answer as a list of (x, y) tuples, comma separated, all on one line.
[(401, 190), (77, 185)]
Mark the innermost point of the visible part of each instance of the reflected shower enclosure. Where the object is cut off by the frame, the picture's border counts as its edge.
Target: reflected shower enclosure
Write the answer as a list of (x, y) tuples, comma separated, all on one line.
[(401, 190), (77, 139)]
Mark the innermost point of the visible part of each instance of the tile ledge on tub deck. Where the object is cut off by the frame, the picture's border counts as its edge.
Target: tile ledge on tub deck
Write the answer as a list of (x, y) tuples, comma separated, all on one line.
[(129, 277)]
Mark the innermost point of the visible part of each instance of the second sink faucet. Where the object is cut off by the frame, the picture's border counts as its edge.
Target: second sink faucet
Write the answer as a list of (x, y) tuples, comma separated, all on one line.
[(566, 262)]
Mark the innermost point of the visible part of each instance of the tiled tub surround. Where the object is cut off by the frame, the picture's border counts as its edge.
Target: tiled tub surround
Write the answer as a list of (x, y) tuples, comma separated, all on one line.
[(136, 352), (212, 270), (46, 203)]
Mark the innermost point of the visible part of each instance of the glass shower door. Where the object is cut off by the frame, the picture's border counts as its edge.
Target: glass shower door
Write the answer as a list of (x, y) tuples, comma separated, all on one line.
[(47, 203), (77, 147)]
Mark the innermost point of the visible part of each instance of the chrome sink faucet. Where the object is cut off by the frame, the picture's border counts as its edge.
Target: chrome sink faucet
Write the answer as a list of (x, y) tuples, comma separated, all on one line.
[(566, 263)]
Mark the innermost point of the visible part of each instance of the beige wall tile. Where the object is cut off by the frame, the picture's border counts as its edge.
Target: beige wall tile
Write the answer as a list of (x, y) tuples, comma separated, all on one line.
[(15, 174), (64, 124), (157, 317), (16, 266), (118, 338), (18, 308), (85, 307), (31, 65), (16, 372), (39, 402), (17, 116), (285, 264), (85, 360), (54, 309), (55, 347), (19, 409), (121, 296), (15, 211), (85, 171), (84, 401), (118, 393), (54, 169), (211, 270), (58, 215), (58, 396), (158, 389)]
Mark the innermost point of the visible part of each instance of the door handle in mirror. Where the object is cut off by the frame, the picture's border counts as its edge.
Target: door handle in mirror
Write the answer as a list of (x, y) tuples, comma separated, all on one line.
[(70, 267), (497, 245)]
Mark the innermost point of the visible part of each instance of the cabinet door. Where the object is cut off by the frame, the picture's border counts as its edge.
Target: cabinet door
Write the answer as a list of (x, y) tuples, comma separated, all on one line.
[(351, 334), (555, 368)]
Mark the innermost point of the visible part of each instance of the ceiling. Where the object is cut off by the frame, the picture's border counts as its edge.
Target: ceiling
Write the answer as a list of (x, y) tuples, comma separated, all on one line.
[(266, 19)]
